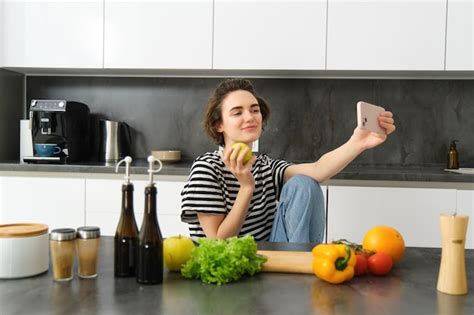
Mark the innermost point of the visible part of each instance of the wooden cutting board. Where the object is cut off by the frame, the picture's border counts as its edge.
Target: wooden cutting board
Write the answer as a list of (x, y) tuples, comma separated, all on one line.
[(286, 261)]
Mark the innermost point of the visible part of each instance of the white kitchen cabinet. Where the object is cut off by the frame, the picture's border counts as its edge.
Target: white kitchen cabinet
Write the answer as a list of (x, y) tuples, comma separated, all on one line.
[(460, 35), (1, 200), (57, 202), (158, 34), (325, 189), (414, 212), (386, 35), (2, 45), (465, 205), (104, 198), (53, 34), (269, 34)]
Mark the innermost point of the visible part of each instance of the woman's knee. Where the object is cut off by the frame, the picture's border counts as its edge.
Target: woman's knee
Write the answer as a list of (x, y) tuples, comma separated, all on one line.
[(303, 183)]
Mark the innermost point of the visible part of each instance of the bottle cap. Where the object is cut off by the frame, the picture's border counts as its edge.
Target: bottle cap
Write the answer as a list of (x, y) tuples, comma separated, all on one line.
[(62, 235), (151, 161), (86, 232), (127, 160)]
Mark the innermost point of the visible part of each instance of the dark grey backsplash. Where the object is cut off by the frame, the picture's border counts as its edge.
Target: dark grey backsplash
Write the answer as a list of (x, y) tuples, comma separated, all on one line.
[(309, 116)]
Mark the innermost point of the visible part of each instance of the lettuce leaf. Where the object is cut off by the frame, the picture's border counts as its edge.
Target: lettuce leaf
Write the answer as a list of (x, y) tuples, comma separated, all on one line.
[(223, 261)]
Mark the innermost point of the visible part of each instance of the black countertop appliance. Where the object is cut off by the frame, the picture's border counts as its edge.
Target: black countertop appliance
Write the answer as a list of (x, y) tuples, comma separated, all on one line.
[(60, 131)]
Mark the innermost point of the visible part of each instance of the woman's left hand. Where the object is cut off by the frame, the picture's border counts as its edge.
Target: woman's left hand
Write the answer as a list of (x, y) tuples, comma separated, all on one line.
[(370, 139)]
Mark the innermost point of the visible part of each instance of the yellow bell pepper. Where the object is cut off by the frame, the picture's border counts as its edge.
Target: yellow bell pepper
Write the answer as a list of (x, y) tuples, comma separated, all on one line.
[(333, 263)]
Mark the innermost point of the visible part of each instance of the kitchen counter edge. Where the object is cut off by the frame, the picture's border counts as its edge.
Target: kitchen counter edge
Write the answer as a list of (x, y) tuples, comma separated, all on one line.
[(430, 176)]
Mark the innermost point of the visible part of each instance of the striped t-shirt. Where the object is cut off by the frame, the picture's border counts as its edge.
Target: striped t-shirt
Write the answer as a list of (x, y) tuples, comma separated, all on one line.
[(212, 188)]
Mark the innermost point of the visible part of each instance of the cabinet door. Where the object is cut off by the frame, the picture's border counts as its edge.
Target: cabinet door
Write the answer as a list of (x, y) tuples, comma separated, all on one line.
[(57, 202), (54, 34), (2, 220), (103, 205), (460, 35), (414, 212), (465, 205), (267, 34), (2, 45), (386, 35), (158, 34)]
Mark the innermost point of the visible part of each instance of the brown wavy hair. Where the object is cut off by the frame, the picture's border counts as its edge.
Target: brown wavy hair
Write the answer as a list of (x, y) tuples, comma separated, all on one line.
[(213, 114)]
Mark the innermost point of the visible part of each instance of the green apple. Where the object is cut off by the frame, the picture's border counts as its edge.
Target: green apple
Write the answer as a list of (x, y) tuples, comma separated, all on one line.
[(177, 251), (241, 145)]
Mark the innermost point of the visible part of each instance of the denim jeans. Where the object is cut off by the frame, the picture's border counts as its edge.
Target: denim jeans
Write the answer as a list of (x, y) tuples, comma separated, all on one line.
[(300, 216)]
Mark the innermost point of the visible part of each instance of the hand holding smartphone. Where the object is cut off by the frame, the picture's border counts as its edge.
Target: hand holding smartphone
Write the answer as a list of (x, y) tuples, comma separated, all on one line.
[(368, 117)]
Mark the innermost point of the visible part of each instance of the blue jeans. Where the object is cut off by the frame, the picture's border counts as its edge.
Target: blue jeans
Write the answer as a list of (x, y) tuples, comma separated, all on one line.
[(300, 217)]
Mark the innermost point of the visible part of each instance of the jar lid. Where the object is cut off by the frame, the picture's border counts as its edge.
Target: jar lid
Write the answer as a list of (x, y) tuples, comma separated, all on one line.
[(22, 230), (63, 234), (85, 232)]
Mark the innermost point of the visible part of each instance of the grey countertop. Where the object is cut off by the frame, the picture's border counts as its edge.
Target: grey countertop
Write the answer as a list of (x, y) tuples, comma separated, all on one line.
[(410, 288), (431, 173)]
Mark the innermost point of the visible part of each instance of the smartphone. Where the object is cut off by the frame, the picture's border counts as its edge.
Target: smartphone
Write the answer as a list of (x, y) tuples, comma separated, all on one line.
[(368, 117)]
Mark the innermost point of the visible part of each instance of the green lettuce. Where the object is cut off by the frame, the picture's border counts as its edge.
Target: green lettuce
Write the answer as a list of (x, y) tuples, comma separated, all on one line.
[(223, 261)]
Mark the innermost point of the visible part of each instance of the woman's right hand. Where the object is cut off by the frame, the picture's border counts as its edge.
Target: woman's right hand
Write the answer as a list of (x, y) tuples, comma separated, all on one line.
[(233, 159)]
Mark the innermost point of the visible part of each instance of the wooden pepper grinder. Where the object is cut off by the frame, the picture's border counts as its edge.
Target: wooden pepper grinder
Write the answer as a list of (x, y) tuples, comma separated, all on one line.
[(452, 271)]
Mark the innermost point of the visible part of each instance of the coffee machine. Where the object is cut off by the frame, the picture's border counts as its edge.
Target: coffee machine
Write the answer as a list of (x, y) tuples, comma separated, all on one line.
[(60, 132)]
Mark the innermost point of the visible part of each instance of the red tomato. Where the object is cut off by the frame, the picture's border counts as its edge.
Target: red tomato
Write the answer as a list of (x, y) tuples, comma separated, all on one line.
[(361, 265), (380, 264), (363, 253)]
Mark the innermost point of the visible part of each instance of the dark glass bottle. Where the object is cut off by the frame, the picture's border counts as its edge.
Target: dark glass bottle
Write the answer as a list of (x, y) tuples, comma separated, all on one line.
[(453, 161), (126, 237), (150, 243)]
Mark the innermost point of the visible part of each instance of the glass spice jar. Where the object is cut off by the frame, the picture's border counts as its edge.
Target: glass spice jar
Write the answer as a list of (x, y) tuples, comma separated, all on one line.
[(62, 246), (87, 244)]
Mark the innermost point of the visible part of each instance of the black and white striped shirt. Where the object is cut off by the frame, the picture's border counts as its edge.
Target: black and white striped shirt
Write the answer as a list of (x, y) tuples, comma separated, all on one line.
[(212, 188)]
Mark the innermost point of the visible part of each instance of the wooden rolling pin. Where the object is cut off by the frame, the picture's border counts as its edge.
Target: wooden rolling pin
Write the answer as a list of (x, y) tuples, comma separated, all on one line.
[(285, 261)]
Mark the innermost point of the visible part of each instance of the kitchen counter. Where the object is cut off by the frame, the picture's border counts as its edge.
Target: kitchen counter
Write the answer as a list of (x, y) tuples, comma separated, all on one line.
[(433, 173), (138, 167), (410, 288)]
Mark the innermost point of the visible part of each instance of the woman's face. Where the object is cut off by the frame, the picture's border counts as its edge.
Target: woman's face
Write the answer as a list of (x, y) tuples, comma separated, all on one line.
[(241, 118)]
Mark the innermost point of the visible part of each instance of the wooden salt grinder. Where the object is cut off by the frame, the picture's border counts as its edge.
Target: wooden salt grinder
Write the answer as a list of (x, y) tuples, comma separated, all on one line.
[(452, 271)]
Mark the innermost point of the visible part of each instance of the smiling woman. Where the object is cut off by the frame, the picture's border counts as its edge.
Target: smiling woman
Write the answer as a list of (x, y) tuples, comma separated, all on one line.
[(214, 115), (268, 198)]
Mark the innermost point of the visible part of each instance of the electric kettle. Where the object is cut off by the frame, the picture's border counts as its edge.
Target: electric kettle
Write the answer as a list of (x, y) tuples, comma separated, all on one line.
[(115, 140)]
